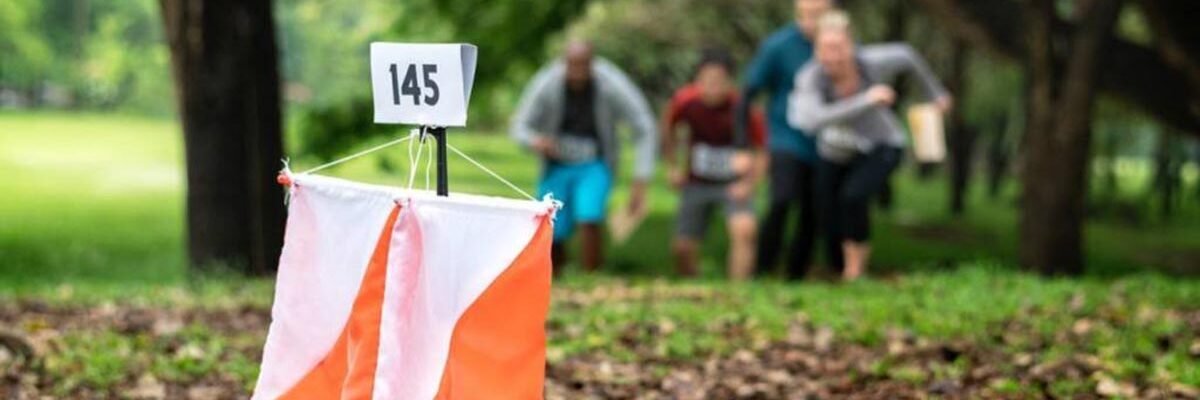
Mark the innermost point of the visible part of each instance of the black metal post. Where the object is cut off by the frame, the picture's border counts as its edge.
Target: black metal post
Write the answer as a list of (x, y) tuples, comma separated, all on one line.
[(443, 185)]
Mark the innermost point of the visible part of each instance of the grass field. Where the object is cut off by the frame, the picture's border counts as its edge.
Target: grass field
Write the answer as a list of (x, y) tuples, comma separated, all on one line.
[(99, 199), (91, 263)]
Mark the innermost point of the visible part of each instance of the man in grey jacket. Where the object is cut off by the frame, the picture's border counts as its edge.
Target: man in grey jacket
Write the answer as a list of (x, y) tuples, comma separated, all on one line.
[(568, 115), (845, 99)]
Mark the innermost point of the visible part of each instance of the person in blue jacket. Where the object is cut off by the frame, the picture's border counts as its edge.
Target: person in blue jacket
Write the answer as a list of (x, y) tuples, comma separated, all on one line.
[(793, 155)]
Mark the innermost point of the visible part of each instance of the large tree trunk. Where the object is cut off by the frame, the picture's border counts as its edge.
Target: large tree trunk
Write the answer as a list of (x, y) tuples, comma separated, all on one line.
[(224, 58), (1059, 114)]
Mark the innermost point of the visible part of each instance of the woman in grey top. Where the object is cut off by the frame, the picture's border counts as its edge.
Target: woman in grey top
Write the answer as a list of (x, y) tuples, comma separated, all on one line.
[(844, 99)]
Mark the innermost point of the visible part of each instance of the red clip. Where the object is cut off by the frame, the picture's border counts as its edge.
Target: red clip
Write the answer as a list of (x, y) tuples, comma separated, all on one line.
[(284, 179)]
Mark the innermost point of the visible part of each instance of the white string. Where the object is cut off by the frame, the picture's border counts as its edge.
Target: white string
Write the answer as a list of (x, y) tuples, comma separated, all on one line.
[(356, 155), (493, 174), (414, 162)]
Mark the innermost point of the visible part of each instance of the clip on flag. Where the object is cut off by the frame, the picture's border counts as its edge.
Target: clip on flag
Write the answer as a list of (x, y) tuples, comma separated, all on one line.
[(387, 293)]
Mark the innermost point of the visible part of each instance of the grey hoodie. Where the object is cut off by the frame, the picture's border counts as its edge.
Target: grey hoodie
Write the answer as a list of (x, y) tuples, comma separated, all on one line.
[(541, 109), (854, 121)]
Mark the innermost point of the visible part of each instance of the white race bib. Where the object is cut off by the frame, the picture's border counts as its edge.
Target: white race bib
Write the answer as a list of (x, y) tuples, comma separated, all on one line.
[(574, 149), (712, 162), (839, 143)]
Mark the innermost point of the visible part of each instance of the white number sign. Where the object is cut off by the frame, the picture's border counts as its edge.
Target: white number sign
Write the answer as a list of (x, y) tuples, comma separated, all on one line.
[(422, 84)]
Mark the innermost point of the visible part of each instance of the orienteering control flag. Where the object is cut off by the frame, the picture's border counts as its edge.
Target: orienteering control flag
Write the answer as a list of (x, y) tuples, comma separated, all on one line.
[(384, 293)]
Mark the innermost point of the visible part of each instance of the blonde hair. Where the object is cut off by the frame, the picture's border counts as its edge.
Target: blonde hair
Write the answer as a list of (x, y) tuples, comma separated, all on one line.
[(834, 20)]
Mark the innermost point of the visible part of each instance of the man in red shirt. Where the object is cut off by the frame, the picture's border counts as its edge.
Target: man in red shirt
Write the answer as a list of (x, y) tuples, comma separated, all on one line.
[(716, 169)]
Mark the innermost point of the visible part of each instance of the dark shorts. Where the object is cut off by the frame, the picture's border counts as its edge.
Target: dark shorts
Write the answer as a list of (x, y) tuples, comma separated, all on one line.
[(847, 188), (697, 202)]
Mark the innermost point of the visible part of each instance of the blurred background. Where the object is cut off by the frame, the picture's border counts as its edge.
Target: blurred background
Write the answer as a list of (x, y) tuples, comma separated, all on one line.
[(139, 142)]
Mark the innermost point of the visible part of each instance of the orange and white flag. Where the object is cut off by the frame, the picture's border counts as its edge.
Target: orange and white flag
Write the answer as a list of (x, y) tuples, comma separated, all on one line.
[(384, 293)]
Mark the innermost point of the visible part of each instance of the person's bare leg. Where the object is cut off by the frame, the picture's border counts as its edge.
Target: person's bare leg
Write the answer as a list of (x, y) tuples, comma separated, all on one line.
[(686, 253), (857, 255), (743, 231), (593, 246)]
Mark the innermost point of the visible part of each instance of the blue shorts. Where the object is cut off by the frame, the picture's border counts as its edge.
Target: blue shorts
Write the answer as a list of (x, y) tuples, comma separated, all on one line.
[(582, 188)]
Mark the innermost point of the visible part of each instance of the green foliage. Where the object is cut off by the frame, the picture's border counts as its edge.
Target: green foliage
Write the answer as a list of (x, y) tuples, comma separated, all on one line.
[(323, 48), (658, 43), (123, 62), (101, 54), (511, 37), (330, 131), (509, 34), (25, 53), (108, 54), (111, 54)]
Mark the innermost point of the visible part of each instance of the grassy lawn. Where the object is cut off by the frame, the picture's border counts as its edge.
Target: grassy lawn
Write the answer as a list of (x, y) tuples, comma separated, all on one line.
[(92, 273)]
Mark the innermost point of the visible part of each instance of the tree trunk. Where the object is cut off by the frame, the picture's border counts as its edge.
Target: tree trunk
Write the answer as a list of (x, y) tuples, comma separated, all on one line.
[(897, 27), (997, 165), (1059, 114), (224, 58), (1000, 148), (1110, 143), (961, 137), (1196, 160), (1168, 176)]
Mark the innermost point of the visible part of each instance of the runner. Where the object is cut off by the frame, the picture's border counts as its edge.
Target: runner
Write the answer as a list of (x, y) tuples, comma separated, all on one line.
[(715, 172), (793, 157), (568, 115), (844, 97)]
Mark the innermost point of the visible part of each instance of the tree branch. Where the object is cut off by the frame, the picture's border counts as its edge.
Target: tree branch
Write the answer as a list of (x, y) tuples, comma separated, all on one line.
[(1177, 37), (1131, 72)]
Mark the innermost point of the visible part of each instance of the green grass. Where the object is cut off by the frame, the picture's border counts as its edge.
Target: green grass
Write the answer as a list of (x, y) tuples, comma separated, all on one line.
[(98, 199), (95, 199), (963, 302)]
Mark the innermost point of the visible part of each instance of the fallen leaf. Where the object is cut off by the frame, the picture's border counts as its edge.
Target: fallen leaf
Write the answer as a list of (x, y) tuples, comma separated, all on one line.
[(148, 387), (1081, 327), (1109, 387), (1023, 359), (205, 393), (1184, 390), (823, 341)]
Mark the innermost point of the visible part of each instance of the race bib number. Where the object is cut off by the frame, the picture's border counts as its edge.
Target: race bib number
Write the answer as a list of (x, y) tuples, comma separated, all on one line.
[(843, 138), (574, 149), (422, 84), (715, 163)]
